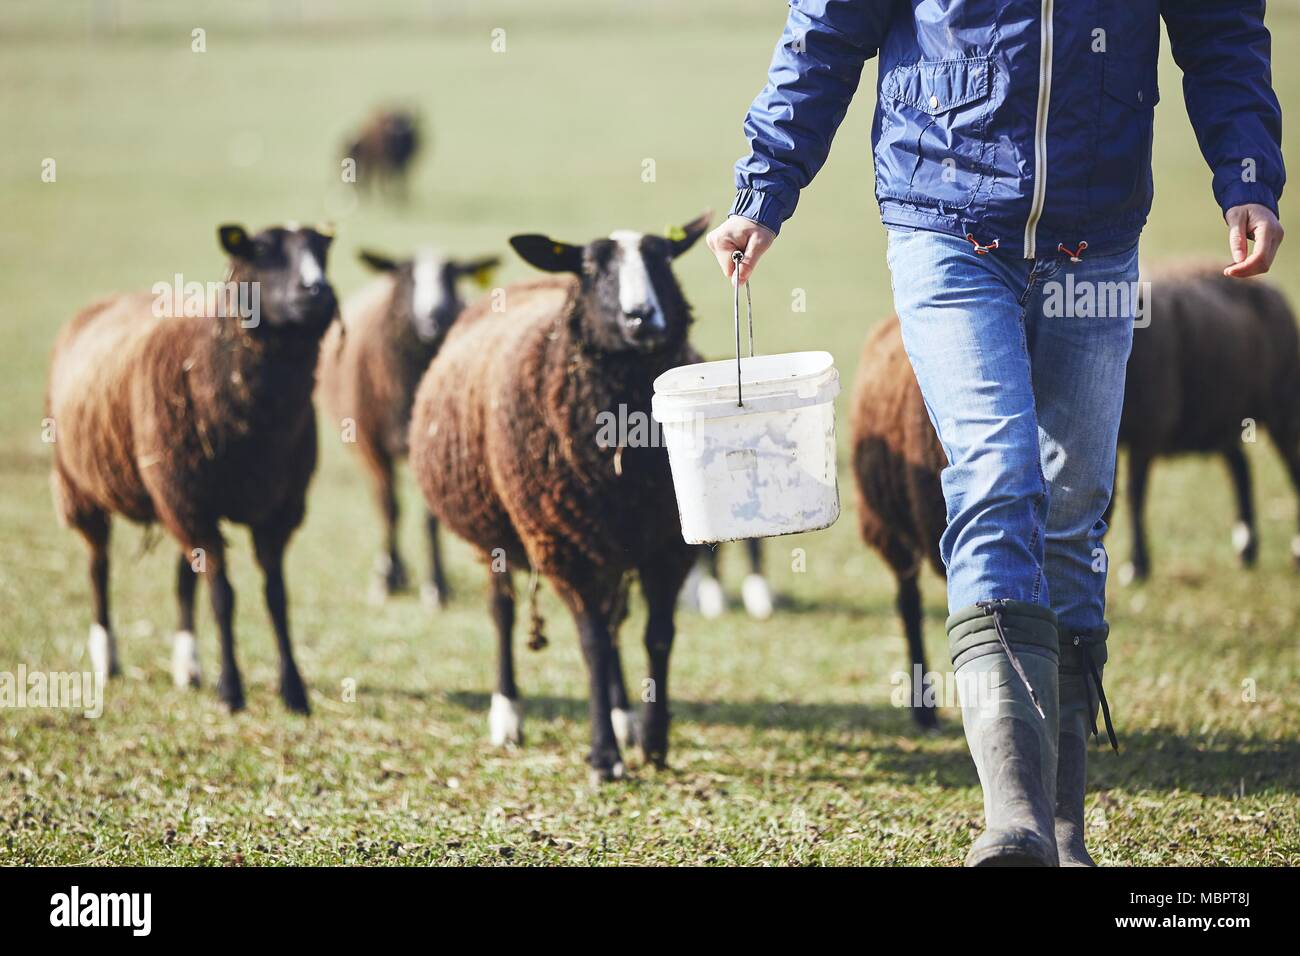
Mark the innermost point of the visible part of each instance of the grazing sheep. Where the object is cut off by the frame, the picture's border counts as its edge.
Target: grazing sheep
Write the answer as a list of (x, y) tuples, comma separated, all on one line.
[(505, 443), (703, 590), (383, 151), (191, 419), (1218, 358), (370, 368), (897, 460)]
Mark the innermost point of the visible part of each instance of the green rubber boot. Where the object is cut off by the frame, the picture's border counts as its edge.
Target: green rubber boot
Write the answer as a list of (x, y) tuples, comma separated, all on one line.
[(1083, 657), (1004, 655)]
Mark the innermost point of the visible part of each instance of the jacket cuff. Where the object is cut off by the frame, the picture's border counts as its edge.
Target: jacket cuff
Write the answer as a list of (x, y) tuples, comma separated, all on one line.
[(1239, 194), (766, 209)]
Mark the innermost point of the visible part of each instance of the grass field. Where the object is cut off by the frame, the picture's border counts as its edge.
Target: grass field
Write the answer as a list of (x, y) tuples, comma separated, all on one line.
[(786, 748)]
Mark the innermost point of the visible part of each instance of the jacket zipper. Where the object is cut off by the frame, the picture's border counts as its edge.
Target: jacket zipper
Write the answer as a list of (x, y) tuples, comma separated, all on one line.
[(1040, 131)]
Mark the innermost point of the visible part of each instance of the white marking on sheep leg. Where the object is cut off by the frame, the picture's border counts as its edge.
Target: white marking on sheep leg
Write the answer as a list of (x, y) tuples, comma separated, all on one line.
[(757, 596), (505, 721), (185, 660), (103, 650), (1295, 548), (1242, 536), (636, 293), (627, 729), (709, 597)]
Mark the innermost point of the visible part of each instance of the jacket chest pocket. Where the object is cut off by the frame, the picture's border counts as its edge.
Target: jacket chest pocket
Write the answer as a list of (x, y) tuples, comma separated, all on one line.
[(932, 146), (1121, 174)]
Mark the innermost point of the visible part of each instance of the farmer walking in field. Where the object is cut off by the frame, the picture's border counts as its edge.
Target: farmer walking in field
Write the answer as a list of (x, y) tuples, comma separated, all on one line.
[(1012, 147)]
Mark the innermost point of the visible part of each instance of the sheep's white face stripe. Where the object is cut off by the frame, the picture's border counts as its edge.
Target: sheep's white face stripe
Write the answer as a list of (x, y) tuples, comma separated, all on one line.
[(636, 292), (309, 270), (424, 294)]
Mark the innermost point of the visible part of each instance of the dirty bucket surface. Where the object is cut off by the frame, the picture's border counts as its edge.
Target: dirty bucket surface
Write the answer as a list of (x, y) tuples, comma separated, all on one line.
[(758, 469)]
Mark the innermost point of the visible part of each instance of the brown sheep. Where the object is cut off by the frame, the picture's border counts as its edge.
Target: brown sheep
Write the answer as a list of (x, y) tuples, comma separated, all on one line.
[(1210, 354), (383, 150), (1218, 357), (368, 376), (505, 445), (897, 460), (191, 419)]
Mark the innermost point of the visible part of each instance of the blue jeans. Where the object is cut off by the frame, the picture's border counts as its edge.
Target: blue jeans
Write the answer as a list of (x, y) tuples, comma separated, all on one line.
[(1021, 363)]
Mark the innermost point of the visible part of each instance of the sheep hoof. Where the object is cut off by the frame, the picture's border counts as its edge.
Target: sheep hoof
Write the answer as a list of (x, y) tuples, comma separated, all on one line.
[(185, 660), (294, 695), (506, 721), (433, 597), (710, 599), (102, 646), (1130, 573), (926, 718), (627, 730), (230, 690), (1245, 544), (389, 578), (757, 596), (602, 775)]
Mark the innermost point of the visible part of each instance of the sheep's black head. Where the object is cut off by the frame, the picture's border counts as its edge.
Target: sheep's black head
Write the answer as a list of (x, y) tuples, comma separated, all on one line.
[(287, 265), (426, 293), (631, 298)]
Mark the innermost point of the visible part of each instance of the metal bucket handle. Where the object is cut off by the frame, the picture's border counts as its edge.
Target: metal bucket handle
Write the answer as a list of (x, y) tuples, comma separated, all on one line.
[(737, 258)]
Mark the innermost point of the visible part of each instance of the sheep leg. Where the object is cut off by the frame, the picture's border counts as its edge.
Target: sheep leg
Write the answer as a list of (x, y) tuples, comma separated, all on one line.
[(908, 603), (506, 715), (1139, 470), (435, 592), (1288, 446), (591, 618), (269, 543), (660, 583), (704, 588), (185, 656), (101, 645), (1244, 538), (390, 572), (754, 590), (230, 686), (626, 727)]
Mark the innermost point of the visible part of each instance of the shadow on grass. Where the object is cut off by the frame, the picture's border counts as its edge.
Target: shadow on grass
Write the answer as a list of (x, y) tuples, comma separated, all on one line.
[(1160, 760)]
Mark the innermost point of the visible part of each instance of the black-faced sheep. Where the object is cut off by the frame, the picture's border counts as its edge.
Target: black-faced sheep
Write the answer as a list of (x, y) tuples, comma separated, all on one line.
[(383, 151), (1214, 359), (505, 446), (192, 419), (897, 460), (370, 368)]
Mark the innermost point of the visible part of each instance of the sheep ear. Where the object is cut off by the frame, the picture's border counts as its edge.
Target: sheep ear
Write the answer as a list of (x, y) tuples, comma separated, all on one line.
[(683, 237), (377, 262), (234, 239), (545, 253), (481, 270)]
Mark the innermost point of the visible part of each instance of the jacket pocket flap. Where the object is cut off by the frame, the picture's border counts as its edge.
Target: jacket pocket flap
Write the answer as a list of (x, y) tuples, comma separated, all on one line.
[(1131, 84), (938, 86)]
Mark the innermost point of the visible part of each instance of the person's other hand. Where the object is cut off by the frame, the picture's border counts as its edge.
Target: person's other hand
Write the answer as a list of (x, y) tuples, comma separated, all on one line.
[(749, 237), (1251, 221)]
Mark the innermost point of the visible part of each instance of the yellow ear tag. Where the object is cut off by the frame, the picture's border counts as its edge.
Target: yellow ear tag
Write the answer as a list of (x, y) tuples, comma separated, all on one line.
[(232, 236), (557, 249), (483, 277), (675, 233)]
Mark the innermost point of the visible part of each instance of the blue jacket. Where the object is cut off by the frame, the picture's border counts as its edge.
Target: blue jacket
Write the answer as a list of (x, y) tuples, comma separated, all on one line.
[(1022, 122)]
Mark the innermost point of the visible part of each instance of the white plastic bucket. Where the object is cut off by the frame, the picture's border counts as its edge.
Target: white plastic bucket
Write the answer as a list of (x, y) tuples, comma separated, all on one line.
[(756, 470)]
